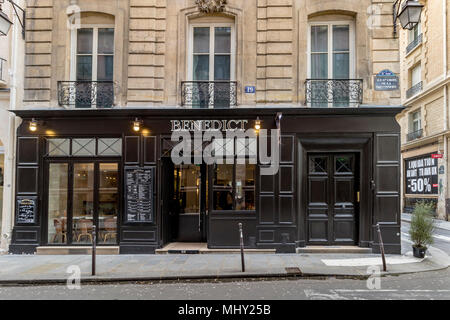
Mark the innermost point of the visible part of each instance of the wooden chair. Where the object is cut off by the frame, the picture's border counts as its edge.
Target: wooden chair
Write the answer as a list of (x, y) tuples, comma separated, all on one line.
[(85, 228), (110, 229)]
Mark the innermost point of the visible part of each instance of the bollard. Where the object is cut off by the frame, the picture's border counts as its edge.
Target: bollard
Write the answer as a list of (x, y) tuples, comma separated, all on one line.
[(241, 235), (381, 247), (94, 242)]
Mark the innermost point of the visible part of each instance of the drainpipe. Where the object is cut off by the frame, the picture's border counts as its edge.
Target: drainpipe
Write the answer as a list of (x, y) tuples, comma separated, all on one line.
[(10, 161)]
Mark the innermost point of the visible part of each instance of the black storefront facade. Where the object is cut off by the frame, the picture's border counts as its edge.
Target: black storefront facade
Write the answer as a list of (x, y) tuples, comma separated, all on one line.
[(339, 175)]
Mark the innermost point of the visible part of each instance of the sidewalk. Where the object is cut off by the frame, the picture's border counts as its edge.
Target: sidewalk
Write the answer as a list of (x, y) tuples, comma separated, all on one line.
[(440, 224), (33, 269)]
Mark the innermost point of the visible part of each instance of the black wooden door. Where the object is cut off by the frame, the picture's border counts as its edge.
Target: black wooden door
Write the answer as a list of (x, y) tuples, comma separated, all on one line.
[(332, 199)]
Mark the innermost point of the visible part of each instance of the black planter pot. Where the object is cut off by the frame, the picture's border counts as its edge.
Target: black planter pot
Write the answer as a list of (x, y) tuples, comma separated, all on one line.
[(419, 252)]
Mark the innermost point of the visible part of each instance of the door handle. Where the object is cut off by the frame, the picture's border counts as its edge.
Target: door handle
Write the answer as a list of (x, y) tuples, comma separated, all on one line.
[(358, 197)]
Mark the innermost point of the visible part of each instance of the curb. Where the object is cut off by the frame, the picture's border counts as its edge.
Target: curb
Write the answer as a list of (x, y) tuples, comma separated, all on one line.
[(206, 278)]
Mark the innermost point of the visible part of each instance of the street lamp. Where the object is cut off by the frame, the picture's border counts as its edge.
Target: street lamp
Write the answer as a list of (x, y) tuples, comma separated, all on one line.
[(5, 22), (409, 15)]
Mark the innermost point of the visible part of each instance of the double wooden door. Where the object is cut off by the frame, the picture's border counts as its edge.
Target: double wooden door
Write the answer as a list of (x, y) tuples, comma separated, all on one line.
[(333, 199)]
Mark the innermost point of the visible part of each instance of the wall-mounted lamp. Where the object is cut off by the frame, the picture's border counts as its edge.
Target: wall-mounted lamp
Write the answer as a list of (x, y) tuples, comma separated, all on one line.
[(137, 125), (33, 125), (6, 23), (257, 124), (409, 15)]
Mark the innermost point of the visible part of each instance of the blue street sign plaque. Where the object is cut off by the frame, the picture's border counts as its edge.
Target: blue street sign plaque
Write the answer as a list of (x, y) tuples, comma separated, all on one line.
[(386, 80)]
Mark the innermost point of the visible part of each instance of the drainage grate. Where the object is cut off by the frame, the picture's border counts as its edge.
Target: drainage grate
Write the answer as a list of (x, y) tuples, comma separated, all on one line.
[(184, 251), (293, 270)]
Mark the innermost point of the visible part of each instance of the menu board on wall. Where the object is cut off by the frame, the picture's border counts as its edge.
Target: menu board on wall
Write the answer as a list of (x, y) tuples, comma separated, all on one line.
[(421, 175), (139, 194), (26, 210)]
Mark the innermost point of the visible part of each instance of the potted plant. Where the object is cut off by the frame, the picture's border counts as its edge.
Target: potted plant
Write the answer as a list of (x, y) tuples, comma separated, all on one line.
[(422, 228)]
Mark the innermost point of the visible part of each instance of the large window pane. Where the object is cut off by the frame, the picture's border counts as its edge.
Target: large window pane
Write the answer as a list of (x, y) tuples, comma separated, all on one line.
[(201, 40), (188, 189), (84, 68), (108, 206), (222, 41), (319, 66), (319, 38), (105, 41), (341, 40), (341, 66), (245, 191), (222, 64), (57, 203), (223, 175), (83, 202), (85, 41), (201, 68)]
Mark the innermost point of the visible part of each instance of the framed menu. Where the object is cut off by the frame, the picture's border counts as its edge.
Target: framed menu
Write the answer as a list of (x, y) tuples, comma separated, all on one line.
[(139, 195), (26, 210)]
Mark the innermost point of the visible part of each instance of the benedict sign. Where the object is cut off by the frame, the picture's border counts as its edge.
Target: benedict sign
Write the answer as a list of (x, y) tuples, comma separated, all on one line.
[(208, 125), (421, 175)]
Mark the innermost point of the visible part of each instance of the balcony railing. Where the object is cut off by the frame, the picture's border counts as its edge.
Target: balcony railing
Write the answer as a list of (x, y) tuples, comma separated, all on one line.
[(86, 94), (414, 44), (414, 90), (209, 94), (414, 135), (334, 92)]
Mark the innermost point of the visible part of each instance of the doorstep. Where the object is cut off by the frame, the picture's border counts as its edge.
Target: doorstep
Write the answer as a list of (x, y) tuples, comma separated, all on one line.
[(334, 249), (111, 250), (202, 248)]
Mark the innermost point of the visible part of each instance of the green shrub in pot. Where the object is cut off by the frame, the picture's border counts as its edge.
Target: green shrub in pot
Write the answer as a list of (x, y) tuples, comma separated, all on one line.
[(422, 227)]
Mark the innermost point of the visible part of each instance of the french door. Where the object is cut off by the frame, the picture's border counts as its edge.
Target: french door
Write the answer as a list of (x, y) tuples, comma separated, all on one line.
[(80, 195), (93, 71), (331, 63), (211, 65)]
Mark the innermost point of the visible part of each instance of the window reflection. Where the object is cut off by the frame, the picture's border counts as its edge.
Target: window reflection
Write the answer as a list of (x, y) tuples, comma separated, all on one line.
[(83, 202), (108, 206), (234, 187), (57, 203)]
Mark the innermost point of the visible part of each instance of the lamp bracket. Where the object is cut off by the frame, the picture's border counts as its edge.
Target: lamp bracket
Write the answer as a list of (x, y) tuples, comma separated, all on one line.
[(21, 20)]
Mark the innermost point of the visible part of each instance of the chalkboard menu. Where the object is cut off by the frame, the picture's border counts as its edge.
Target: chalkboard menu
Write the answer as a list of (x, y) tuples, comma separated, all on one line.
[(421, 176), (139, 194), (26, 210)]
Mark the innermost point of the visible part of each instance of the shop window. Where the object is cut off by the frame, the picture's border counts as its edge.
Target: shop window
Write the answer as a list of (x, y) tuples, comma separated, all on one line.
[(58, 147), (84, 147), (109, 147), (57, 203), (234, 187)]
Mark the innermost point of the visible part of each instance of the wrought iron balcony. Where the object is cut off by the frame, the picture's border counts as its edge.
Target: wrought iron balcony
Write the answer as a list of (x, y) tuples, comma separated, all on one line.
[(414, 135), (209, 94), (334, 92), (86, 94), (414, 44), (414, 90)]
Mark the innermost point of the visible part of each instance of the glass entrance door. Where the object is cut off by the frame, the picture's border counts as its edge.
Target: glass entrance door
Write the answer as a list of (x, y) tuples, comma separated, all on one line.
[(188, 206), (81, 195)]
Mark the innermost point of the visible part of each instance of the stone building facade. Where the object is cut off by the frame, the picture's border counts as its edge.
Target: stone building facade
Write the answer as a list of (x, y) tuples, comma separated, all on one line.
[(424, 55), (97, 69)]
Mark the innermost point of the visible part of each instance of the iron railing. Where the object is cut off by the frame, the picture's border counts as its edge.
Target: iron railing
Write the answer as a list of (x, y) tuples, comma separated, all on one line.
[(209, 94), (86, 94), (414, 135), (414, 43), (334, 92), (414, 90)]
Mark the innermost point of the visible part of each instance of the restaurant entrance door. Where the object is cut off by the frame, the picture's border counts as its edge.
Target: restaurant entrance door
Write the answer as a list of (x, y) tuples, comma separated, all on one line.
[(82, 194), (186, 202)]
